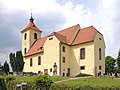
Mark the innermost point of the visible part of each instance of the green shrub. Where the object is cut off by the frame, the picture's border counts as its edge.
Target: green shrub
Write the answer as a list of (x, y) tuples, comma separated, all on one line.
[(53, 86), (2, 84), (68, 87), (12, 85), (83, 75), (43, 82), (9, 78), (83, 87)]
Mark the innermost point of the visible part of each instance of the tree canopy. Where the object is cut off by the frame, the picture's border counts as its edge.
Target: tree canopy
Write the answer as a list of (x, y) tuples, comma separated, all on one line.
[(1, 68), (19, 60), (118, 60), (16, 62), (110, 64), (6, 67), (12, 61)]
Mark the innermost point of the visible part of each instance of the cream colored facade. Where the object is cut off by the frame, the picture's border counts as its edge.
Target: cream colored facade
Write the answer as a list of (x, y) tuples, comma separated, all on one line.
[(28, 42), (68, 62)]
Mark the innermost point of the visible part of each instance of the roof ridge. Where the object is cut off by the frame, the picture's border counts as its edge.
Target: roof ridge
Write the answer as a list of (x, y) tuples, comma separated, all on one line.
[(68, 28), (53, 33), (92, 27), (88, 27), (32, 26), (74, 33), (59, 34), (83, 37), (75, 37)]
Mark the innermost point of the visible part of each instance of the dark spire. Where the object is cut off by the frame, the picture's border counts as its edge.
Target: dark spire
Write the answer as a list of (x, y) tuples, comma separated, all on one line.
[(31, 19)]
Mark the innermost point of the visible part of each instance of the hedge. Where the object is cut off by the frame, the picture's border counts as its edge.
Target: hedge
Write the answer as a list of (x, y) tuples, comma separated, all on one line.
[(2, 84), (85, 87), (9, 83), (56, 86), (43, 82), (12, 85), (83, 75)]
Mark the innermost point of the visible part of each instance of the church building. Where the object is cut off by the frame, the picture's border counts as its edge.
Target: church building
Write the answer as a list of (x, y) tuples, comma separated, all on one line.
[(67, 52)]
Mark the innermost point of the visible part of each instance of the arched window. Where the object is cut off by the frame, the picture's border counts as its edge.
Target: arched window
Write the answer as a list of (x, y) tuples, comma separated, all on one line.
[(25, 36), (39, 60), (31, 62), (35, 35), (25, 50), (100, 53)]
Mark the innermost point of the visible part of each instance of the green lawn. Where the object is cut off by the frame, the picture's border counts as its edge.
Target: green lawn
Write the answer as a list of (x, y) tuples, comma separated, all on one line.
[(32, 78), (25, 78), (58, 78), (102, 81)]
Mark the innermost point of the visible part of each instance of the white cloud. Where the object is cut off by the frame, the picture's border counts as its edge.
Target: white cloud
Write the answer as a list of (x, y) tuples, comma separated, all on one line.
[(103, 18), (107, 11), (3, 57), (37, 5), (4, 53), (73, 13)]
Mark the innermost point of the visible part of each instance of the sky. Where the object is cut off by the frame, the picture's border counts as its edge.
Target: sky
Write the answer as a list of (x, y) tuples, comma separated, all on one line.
[(54, 15)]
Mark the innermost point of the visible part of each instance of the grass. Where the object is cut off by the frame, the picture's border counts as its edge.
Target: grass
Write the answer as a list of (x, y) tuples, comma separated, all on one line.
[(102, 81), (58, 78), (32, 78), (26, 78)]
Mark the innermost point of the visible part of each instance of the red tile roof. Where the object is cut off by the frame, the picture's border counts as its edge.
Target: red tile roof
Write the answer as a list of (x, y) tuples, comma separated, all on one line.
[(31, 25), (85, 35), (68, 32), (37, 47), (64, 36), (60, 37)]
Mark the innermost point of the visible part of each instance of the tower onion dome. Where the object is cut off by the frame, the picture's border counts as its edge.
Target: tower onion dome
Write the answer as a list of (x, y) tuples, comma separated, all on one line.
[(31, 19)]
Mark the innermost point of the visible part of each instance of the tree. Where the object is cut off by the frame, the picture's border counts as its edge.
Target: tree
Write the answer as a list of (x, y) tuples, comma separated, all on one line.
[(6, 67), (109, 64), (0, 67), (118, 60), (12, 61), (20, 62), (16, 62)]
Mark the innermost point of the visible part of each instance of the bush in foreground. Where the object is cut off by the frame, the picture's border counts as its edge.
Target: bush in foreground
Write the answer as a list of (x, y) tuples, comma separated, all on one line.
[(2, 84), (43, 82), (84, 87), (83, 75), (9, 78)]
